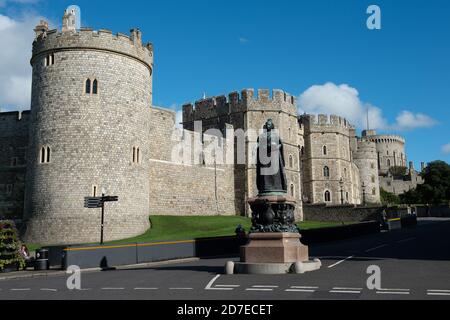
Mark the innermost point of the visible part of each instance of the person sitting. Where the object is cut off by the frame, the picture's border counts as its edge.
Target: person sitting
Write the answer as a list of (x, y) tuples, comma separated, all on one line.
[(25, 253)]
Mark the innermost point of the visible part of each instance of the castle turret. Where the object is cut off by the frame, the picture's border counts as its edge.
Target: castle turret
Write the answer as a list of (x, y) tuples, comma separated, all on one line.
[(365, 158), (390, 150), (91, 94), (69, 21), (41, 29)]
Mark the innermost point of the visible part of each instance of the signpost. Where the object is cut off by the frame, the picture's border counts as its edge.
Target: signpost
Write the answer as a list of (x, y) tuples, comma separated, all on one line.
[(99, 202)]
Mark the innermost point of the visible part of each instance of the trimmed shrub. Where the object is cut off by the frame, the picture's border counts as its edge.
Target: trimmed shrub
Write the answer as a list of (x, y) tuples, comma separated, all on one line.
[(10, 246)]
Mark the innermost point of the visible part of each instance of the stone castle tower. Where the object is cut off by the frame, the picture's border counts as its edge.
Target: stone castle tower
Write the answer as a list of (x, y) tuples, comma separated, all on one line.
[(329, 173), (390, 150), (249, 111), (366, 159), (91, 95)]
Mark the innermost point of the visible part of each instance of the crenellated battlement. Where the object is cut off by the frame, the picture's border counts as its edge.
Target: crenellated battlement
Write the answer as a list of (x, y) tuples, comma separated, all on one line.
[(365, 149), (247, 99), (87, 38), (323, 121), (14, 123), (386, 139)]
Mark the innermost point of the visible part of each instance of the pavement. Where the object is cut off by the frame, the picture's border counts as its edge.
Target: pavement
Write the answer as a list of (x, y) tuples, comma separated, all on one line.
[(414, 263)]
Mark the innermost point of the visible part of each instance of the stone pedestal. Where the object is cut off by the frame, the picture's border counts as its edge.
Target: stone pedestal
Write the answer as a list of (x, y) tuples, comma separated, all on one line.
[(274, 243), (274, 248)]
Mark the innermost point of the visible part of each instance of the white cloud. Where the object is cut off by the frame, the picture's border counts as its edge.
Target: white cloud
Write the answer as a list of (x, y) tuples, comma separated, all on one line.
[(243, 40), (407, 120), (3, 3), (344, 100), (17, 35), (446, 148)]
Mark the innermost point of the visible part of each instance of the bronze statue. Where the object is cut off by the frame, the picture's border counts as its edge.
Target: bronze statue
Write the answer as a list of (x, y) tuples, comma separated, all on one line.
[(270, 171), (272, 209)]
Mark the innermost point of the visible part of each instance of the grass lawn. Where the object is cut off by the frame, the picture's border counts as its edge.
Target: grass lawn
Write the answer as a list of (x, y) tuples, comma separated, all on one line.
[(167, 228), (181, 228)]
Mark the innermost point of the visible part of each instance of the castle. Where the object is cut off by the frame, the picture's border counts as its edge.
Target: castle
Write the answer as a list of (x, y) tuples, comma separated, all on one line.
[(92, 128)]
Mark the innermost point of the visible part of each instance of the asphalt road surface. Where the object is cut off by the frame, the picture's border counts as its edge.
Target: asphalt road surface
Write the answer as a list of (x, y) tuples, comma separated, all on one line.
[(414, 264)]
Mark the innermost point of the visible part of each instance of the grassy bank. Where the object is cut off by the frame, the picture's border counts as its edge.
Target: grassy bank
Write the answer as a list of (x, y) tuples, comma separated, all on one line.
[(167, 228), (180, 228)]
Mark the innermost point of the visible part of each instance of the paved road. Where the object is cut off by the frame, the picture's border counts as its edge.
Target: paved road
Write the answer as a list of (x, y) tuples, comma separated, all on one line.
[(414, 263)]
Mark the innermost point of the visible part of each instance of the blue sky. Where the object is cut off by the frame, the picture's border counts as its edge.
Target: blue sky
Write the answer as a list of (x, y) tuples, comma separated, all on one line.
[(317, 50)]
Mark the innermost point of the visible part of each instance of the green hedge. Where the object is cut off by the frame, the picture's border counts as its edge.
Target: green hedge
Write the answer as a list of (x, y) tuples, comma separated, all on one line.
[(9, 246)]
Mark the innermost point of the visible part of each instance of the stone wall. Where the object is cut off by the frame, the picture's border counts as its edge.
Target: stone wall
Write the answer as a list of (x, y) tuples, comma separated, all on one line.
[(437, 211), (178, 188), (400, 185), (14, 127), (346, 213)]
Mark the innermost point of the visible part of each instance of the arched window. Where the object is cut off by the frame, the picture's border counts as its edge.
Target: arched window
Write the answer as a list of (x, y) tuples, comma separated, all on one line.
[(47, 61), (325, 150), (388, 162), (95, 86), (88, 86), (44, 155), (327, 196), (326, 172), (373, 179), (374, 191), (292, 190)]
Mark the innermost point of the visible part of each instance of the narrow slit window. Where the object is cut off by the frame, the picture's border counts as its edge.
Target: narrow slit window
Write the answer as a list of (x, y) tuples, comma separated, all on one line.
[(95, 87), (134, 154), (42, 155), (326, 172), (48, 155), (88, 86), (138, 160), (327, 196), (94, 191)]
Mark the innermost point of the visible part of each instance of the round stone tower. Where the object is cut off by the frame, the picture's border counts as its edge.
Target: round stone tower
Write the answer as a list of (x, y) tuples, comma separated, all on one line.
[(390, 150), (90, 109), (365, 158)]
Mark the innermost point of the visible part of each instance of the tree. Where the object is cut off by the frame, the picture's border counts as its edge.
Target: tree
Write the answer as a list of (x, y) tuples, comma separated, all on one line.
[(388, 198), (436, 188)]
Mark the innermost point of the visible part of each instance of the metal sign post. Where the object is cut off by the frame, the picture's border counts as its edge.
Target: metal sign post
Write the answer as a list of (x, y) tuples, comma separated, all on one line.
[(99, 202)]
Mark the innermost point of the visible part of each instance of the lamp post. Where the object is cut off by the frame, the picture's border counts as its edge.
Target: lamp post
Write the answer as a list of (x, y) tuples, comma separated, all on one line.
[(341, 183)]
